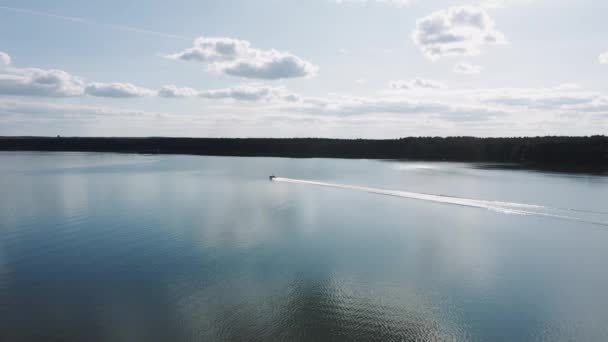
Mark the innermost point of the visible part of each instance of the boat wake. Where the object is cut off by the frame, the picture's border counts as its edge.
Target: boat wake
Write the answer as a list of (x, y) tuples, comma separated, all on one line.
[(503, 207)]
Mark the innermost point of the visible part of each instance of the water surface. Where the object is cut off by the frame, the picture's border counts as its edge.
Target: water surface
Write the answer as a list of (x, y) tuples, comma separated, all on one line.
[(187, 248)]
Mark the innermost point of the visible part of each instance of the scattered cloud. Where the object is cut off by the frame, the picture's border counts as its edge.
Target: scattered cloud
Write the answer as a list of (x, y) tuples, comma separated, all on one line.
[(467, 68), (40, 82), (5, 59), (453, 105), (58, 83), (417, 83), (116, 90), (251, 93), (272, 66), (237, 58), (172, 91), (457, 31), (603, 58)]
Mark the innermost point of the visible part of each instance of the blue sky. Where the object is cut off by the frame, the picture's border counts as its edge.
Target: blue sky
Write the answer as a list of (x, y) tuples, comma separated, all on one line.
[(282, 68)]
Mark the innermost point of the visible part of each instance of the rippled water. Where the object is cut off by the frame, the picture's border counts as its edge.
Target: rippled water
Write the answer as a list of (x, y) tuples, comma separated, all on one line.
[(186, 248)]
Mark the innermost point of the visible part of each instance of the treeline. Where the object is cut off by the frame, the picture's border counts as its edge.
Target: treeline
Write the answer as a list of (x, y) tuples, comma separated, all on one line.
[(541, 150)]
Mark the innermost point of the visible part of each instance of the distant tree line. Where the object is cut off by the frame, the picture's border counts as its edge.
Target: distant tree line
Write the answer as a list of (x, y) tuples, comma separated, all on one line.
[(540, 150)]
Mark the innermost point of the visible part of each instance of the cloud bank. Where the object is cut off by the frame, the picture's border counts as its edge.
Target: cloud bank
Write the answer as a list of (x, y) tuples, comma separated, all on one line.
[(561, 99), (564, 109), (236, 57), (356, 106), (245, 92)]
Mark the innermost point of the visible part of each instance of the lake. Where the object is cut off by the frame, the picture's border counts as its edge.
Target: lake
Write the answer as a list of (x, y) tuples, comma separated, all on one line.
[(115, 247)]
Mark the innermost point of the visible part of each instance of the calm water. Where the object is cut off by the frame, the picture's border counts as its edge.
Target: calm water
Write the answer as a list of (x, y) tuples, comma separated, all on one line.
[(186, 248)]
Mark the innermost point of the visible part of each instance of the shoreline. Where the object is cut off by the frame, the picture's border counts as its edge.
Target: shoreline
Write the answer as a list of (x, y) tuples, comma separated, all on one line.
[(552, 152)]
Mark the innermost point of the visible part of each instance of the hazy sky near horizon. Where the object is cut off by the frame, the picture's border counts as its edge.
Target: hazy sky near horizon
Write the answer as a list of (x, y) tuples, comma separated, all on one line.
[(287, 68)]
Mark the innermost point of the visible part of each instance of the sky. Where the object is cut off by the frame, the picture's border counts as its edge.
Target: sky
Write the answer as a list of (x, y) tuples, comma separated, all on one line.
[(304, 68)]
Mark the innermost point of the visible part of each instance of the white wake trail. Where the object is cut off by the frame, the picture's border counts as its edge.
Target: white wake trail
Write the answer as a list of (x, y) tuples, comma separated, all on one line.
[(503, 207)]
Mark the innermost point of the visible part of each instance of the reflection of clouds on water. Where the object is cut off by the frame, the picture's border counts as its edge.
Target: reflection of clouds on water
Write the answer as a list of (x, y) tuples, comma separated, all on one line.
[(463, 254), (434, 167), (74, 196), (202, 248)]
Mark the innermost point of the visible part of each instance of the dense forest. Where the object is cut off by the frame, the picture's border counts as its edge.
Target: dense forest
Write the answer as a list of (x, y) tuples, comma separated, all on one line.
[(536, 150)]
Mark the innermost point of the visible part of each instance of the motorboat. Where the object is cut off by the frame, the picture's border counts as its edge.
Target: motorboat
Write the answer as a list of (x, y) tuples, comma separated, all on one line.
[(272, 177)]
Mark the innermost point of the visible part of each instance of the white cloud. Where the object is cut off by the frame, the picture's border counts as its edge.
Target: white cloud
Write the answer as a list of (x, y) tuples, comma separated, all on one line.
[(467, 68), (172, 91), (116, 90), (251, 93), (564, 109), (272, 65), (566, 98), (397, 3), (349, 106), (457, 31), (45, 109), (452, 105), (59, 83), (5, 59), (459, 105), (603, 58), (237, 58), (416, 83), (40, 82), (245, 92), (281, 100)]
